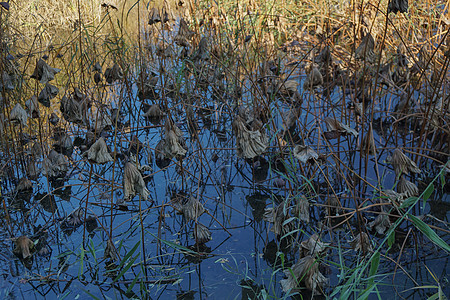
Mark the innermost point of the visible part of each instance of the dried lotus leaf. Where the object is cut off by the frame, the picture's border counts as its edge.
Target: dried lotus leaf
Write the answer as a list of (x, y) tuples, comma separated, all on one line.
[(407, 188), (305, 154), (202, 234), (381, 223), (113, 74), (154, 114), (361, 243), (32, 107), (250, 143), (336, 127), (313, 79), (396, 6), (18, 115), (192, 209), (313, 246), (98, 152), (365, 49), (174, 143), (154, 16), (368, 143), (184, 34), (301, 209), (133, 182), (48, 92), (306, 271), (402, 164), (23, 247), (43, 72)]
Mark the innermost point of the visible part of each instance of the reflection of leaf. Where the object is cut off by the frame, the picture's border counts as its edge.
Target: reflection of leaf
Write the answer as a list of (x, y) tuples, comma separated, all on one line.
[(425, 229)]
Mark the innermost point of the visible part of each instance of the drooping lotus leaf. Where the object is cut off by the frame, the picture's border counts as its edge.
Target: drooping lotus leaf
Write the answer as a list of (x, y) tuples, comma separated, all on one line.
[(184, 34), (133, 182), (43, 72), (365, 49), (202, 234), (313, 246), (48, 92), (192, 209), (313, 79), (250, 143), (24, 247), (113, 74), (396, 6), (33, 107), (402, 164), (305, 271), (305, 154), (18, 115), (98, 153), (361, 243)]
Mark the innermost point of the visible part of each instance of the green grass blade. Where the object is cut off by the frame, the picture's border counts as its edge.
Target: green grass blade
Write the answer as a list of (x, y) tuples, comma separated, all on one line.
[(425, 229)]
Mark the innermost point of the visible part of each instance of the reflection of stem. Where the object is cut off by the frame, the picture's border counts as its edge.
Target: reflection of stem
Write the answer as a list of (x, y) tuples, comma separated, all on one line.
[(218, 222)]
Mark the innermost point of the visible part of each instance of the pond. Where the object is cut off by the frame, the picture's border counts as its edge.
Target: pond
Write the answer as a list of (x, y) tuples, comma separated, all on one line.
[(176, 158)]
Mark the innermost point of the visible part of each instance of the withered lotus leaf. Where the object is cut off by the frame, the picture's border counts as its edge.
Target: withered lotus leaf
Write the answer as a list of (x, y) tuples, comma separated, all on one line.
[(313, 246), (184, 34), (18, 115), (202, 234), (402, 164), (98, 153), (174, 144), (381, 223), (154, 114), (43, 72), (24, 185), (361, 243), (153, 16), (305, 271), (305, 154), (201, 54), (113, 74), (53, 119), (396, 6), (192, 209), (55, 164), (301, 209), (407, 188), (75, 218), (368, 143), (74, 108), (110, 252), (48, 92), (133, 182), (23, 247), (313, 79), (365, 49), (278, 215), (336, 128), (249, 143), (7, 81), (32, 107)]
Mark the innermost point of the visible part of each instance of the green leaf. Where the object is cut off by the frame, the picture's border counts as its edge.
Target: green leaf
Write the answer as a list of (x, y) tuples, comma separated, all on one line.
[(126, 268), (374, 265), (127, 256), (408, 202), (133, 283), (391, 238), (426, 230), (428, 191)]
